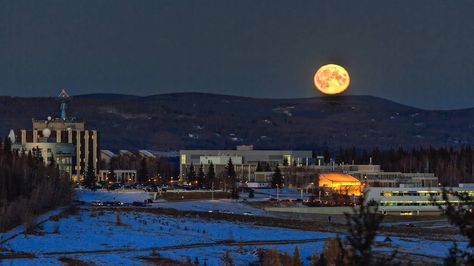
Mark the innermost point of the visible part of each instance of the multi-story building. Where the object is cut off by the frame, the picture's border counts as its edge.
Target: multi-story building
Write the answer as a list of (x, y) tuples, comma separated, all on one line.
[(245, 159), (414, 200), (371, 175), (62, 139)]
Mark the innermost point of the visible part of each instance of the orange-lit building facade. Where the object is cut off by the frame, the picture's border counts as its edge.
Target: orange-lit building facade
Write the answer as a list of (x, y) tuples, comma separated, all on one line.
[(342, 183)]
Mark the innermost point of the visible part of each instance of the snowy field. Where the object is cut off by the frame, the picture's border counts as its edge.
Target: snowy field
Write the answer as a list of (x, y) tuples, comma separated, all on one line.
[(284, 193), (221, 205), (94, 237), (127, 196)]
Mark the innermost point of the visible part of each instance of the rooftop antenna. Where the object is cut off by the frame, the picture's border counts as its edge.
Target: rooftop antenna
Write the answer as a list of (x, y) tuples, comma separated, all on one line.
[(63, 97)]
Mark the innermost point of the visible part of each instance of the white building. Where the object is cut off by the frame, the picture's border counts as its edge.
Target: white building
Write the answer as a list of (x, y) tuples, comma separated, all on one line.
[(412, 200)]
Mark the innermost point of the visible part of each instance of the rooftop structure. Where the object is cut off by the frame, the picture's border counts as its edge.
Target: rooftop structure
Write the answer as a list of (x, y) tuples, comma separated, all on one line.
[(63, 139)]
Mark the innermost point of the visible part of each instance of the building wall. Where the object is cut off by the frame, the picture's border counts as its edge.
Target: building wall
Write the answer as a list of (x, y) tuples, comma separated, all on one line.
[(85, 146), (412, 201), (246, 165), (125, 176), (62, 153)]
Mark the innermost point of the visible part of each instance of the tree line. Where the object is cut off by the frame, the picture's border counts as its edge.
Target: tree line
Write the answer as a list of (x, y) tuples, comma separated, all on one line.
[(28, 186), (147, 168), (207, 178), (450, 165)]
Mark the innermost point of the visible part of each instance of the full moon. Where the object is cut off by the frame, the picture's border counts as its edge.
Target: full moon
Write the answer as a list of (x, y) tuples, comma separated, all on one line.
[(331, 79)]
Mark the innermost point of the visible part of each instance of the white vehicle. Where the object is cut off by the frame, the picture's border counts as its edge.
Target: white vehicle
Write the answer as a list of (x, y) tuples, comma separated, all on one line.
[(97, 203)]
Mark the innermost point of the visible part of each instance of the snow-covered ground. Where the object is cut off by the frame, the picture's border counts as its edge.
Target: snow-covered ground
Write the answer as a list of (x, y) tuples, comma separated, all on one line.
[(284, 193), (221, 205), (141, 233), (126, 196), (94, 236)]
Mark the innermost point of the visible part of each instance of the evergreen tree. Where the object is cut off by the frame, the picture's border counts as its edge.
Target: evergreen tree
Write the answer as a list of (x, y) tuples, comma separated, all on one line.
[(90, 178), (111, 174), (277, 178), (296, 257), (259, 167), (191, 175), (267, 167), (200, 177), (53, 161), (362, 225), (211, 175), (7, 145), (142, 174), (285, 161), (462, 216), (231, 175)]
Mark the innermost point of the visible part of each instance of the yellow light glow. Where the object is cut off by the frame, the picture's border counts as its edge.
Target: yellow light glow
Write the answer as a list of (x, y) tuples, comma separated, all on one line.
[(331, 79), (341, 183)]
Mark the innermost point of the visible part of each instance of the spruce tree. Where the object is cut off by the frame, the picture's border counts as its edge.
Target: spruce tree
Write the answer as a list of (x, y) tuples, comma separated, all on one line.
[(232, 177), (200, 177), (191, 175), (277, 178), (142, 174), (211, 175), (111, 174), (296, 257), (90, 178)]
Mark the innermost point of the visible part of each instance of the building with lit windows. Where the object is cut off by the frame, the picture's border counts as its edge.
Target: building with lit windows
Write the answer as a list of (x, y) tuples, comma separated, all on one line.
[(413, 200), (245, 159), (62, 139)]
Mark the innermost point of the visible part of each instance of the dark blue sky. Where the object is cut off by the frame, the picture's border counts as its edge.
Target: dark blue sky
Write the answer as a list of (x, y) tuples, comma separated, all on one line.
[(419, 53)]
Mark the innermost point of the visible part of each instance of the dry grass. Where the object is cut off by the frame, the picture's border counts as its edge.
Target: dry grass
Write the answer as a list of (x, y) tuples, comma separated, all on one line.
[(195, 195), (22, 255), (157, 260), (73, 262)]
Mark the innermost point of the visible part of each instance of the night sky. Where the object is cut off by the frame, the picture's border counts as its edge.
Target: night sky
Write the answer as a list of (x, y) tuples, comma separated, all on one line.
[(419, 53)]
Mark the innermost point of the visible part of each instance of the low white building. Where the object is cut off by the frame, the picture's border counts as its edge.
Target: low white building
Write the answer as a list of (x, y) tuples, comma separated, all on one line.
[(412, 200), (122, 176)]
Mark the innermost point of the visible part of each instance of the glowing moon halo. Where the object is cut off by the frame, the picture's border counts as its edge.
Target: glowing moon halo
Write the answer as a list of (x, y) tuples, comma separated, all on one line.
[(331, 79)]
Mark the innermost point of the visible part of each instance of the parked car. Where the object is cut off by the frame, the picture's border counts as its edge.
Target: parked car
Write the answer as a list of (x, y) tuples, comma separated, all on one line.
[(138, 204), (97, 203), (248, 214), (148, 201)]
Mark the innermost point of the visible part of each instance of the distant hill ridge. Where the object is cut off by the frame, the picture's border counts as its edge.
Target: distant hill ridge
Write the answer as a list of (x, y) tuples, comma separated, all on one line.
[(211, 121)]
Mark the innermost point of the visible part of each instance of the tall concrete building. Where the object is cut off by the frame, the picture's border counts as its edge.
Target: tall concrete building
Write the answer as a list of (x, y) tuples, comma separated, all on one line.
[(62, 139)]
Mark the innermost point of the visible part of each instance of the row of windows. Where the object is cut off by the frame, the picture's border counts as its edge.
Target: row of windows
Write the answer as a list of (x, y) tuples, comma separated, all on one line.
[(413, 203), (418, 193)]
